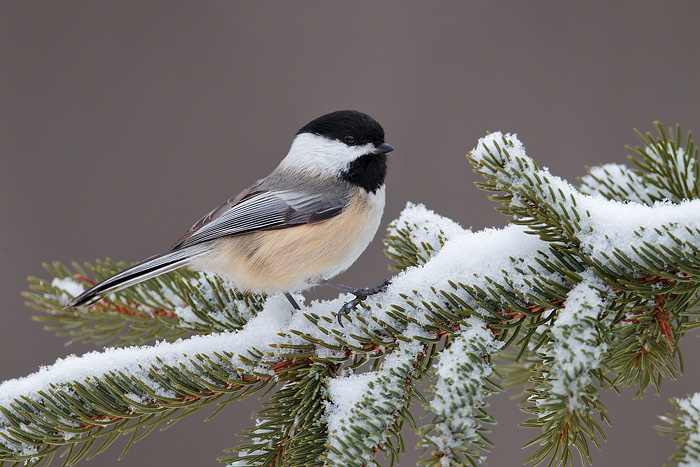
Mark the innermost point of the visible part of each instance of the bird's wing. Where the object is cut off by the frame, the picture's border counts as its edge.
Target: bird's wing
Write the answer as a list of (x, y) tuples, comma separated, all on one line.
[(228, 204), (257, 209)]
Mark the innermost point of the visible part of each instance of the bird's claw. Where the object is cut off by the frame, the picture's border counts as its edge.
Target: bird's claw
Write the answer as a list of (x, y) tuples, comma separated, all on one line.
[(360, 296)]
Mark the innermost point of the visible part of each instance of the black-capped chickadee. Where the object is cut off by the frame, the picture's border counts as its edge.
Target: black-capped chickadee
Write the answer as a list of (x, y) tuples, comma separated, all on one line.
[(306, 222)]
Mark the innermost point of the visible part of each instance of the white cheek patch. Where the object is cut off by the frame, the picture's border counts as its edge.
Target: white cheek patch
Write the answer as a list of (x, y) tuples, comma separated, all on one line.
[(319, 155)]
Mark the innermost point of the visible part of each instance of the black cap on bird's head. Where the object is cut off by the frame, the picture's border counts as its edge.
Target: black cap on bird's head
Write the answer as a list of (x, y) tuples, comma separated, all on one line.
[(351, 127), (347, 144)]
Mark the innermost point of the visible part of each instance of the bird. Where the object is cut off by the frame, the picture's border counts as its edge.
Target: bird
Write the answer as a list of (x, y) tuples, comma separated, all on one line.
[(303, 224)]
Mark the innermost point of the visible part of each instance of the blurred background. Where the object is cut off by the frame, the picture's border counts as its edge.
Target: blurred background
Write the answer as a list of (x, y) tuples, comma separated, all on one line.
[(121, 123)]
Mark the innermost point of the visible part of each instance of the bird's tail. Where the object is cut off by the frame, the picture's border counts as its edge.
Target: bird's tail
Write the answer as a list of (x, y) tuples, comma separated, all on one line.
[(152, 267)]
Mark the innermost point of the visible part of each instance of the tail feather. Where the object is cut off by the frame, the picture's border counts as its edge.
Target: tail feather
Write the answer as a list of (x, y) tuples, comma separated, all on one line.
[(148, 269)]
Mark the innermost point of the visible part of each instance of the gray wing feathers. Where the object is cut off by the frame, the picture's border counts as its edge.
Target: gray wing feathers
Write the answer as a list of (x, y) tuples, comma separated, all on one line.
[(264, 211), (248, 192)]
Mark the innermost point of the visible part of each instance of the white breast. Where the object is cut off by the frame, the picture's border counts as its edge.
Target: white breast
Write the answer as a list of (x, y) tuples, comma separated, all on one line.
[(359, 226)]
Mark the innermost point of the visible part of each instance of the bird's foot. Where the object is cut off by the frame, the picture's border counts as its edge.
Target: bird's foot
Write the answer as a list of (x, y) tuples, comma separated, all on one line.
[(360, 295)]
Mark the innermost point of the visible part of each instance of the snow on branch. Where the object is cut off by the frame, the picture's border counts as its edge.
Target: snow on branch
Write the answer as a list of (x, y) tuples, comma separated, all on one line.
[(576, 348), (458, 403), (148, 379), (569, 268), (685, 428), (619, 182), (135, 361), (564, 394), (362, 408), (602, 227)]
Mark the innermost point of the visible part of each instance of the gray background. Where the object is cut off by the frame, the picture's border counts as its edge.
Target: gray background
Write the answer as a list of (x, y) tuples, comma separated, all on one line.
[(121, 123)]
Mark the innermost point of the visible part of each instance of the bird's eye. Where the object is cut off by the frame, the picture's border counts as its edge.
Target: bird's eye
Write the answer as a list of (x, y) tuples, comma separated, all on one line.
[(350, 139)]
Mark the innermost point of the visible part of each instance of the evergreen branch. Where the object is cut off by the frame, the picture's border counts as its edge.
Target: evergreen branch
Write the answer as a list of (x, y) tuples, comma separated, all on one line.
[(667, 169), (291, 428), (413, 239), (532, 197), (685, 429), (582, 230), (365, 410), (620, 183), (645, 350), (563, 393), (457, 433), (165, 308), (127, 390), (668, 163), (573, 276), (494, 285), (212, 304)]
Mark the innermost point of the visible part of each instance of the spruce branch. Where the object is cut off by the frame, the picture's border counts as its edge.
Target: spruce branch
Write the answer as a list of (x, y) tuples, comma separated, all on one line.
[(621, 183), (288, 423), (563, 392), (457, 433), (666, 168), (579, 232), (685, 429), (164, 308), (414, 242), (376, 399), (582, 292), (668, 163), (120, 321), (123, 391), (82, 400)]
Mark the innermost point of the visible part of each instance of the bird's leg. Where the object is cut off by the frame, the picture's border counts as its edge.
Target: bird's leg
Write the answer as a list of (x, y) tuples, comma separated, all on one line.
[(359, 293), (294, 303)]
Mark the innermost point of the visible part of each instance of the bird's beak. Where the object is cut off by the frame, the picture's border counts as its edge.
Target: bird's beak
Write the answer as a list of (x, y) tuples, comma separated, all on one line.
[(384, 148)]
